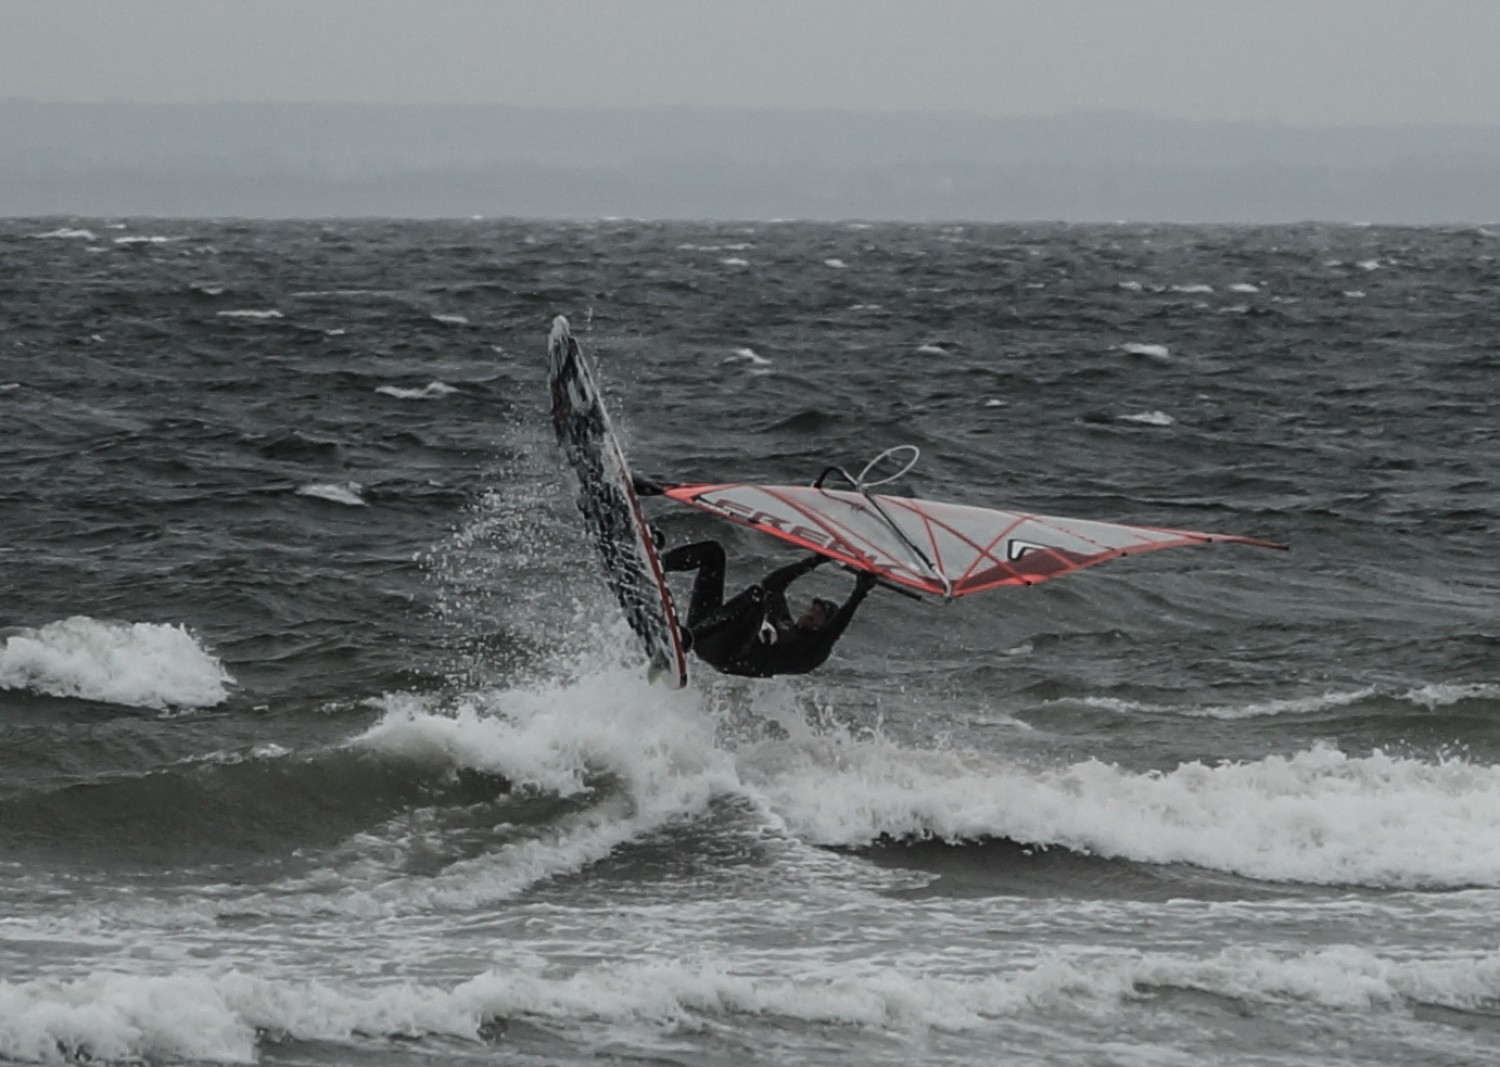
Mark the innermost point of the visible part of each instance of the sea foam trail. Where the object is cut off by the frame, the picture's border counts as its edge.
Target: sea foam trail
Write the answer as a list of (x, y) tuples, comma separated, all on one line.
[(1319, 816), (216, 1017), (145, 665)]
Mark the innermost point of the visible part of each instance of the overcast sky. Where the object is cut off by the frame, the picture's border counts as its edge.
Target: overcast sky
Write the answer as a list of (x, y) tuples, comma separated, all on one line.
[(1307, 61)]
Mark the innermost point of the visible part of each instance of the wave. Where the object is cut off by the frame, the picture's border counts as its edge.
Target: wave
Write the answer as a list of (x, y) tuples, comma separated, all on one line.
[(143, 665), (225, 1017), (1317, 817), (641, 759)]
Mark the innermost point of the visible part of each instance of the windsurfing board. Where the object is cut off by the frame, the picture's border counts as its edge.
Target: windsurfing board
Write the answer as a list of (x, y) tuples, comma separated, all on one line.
[(611, 512)]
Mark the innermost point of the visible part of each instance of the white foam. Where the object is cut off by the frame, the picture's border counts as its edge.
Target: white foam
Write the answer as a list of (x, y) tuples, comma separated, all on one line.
[(1432, 697), (65, 233), (837, 264), (250, 313), (1192, 288), (346, 493), (1354, 294), (1368, 264), (451, 320), (145, 240), (1318, 816), (112, 1017), (430, 391), (735, 261), (215, 1016), (646, 755), (994, 403), (748, 355), (207, 289), (6, 387), (1149, 418), (1132, 286), (1244, 287), (147, 665), (1157, 352)]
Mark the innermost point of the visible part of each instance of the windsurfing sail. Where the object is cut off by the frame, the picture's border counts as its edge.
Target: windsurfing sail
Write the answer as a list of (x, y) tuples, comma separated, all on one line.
[(947, 550)]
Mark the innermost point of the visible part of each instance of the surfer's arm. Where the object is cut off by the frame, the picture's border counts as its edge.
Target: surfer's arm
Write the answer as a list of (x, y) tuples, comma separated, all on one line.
[(813, 651), (778, 580), (862, 586)]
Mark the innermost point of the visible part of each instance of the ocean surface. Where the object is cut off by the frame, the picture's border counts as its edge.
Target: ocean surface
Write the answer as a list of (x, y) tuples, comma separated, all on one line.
[(322, 740)]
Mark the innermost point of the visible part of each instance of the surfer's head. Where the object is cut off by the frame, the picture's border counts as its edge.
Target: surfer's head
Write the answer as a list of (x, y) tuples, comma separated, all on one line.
[(818, 614)]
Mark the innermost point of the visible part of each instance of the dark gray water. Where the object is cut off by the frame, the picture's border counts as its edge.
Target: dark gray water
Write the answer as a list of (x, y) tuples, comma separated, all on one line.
[(321, 740)]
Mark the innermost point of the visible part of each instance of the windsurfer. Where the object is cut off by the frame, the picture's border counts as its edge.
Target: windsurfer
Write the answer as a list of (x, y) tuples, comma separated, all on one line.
[(753, 633)]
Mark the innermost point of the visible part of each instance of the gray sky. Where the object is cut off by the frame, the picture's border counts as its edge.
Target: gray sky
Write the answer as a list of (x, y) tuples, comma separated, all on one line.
[(1311, 61)]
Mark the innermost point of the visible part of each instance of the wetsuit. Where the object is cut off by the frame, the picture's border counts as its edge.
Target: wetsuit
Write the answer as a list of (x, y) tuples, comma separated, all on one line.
[(753, 633)]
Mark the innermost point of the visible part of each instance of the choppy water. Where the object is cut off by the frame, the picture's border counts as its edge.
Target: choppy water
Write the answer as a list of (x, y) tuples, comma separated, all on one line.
[(321, 742)]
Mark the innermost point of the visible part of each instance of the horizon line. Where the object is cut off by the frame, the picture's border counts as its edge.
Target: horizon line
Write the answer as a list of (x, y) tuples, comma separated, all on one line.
[(755, 109)]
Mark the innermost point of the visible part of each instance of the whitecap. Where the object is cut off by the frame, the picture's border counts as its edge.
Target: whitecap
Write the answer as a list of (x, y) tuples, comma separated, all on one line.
[(1368, 264), (430, 391), (451, 320), (250, 313), (1443, 695), (1192, 288), (207, 289), (1132, 286), (837, 264), (65, 233), (1244, 287), (6, 387), (747, 355), (338, 493), (932, 349), (993, 403), (145, 240), (1355, 294), (1157, 352), (1318, 816), (1149, 418), (147, 665), (735, 261)]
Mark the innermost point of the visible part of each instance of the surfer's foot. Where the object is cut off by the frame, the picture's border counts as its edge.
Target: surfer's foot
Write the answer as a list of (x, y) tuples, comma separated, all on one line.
[(645, 486)]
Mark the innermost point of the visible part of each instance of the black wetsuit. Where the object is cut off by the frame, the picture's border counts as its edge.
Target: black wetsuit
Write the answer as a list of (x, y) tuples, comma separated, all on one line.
[(753, 633)]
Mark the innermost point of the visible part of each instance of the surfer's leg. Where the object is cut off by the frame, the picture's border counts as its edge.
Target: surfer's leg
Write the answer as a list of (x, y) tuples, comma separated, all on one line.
[(723, 634), (707, 558)]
